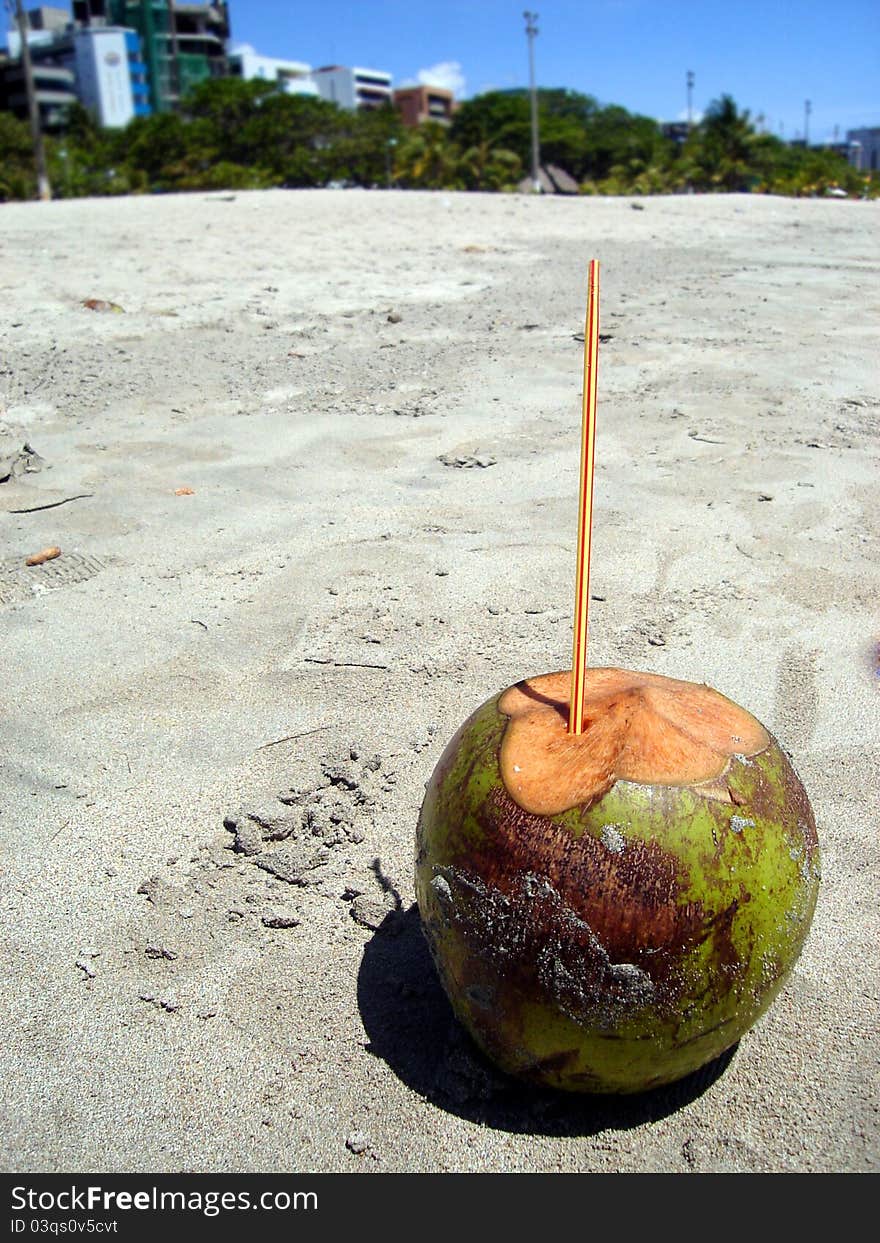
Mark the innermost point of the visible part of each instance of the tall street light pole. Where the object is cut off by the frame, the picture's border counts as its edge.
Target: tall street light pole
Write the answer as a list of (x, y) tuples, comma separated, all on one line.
[(690, 98), (44, 189), (808, 108), (531, 31)]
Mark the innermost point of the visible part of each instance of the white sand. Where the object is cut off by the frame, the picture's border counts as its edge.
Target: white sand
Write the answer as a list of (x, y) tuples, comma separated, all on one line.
[(145, 669)]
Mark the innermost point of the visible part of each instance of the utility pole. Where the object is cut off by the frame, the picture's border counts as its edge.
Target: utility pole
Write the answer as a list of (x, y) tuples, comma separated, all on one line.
[(808, 108), (531, 31), (44, 189), (690, 99)]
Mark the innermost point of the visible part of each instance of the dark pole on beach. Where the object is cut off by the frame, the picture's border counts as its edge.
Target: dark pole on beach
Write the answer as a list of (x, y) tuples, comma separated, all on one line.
[(44, 189), (531, 31)]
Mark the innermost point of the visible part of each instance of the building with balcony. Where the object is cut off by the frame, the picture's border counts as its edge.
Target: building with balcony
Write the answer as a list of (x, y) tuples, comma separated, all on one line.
[(199, 33), (51, 49), (102, 67), (183, 44), (417, 104), (356, 90), (293, 76), (54, 87)]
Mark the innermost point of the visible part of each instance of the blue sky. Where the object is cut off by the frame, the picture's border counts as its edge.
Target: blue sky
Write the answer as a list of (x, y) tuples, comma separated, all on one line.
[(770, 55)]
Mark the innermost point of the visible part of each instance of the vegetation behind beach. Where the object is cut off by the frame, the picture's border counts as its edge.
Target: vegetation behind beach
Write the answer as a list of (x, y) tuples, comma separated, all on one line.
[(232, 134)]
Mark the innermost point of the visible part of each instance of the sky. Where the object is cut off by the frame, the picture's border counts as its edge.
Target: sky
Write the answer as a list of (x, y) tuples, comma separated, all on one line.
[(770, 55)]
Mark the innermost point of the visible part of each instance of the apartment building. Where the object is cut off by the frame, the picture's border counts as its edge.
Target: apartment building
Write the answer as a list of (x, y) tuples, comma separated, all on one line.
[(100, 67), (54, 87), (111, 75), (417, 104), (54, 79), (293, 76), (353, 89), (183, 44)]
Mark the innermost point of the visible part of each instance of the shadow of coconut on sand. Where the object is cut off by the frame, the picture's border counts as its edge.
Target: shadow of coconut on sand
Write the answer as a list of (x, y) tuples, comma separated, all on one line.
[(411, 1027)]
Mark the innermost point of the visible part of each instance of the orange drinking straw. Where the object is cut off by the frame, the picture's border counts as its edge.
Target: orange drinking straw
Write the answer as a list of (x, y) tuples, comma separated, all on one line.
[(585, 507)]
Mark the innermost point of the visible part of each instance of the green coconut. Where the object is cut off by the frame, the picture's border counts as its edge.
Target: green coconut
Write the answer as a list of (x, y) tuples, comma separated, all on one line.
[(610, 911)]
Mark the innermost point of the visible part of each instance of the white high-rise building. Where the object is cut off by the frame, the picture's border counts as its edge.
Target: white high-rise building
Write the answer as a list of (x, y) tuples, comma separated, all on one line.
[(293, 76), (353, 89), (103, 75)]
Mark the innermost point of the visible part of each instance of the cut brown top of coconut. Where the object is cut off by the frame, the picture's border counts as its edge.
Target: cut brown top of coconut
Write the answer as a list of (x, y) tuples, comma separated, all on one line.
[(638, 727)]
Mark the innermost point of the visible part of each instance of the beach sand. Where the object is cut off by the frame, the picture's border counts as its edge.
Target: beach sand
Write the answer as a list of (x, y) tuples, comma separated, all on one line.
[(373, 400)]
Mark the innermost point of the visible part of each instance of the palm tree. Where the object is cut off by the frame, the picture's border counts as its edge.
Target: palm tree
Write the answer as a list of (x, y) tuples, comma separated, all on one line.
[(487, 167), (727, 142), (427, 160)]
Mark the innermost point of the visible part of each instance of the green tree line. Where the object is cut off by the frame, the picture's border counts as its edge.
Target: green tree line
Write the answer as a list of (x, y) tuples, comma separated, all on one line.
[(234, 135)]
